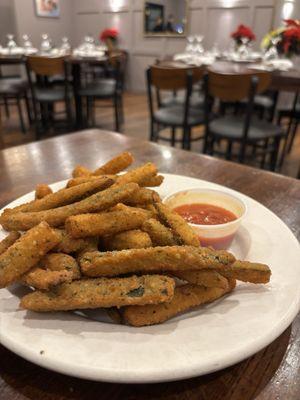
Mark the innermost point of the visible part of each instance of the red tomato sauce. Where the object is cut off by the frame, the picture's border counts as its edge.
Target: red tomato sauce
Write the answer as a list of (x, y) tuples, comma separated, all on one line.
[(205, 214)]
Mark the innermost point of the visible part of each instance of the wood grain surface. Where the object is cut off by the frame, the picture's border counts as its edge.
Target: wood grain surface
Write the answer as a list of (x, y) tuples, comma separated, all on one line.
[(271, 374)]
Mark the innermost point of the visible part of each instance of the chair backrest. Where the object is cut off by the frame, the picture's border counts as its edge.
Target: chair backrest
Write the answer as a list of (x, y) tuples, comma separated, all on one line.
[(236, 87), (167, 78), (46, 66)]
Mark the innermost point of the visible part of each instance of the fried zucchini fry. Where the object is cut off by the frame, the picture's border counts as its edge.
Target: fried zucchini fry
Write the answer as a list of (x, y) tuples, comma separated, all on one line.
[(138, 175), (8, 241), (81, 171), (42, 190), (108, 223), (116, 164), (247, 272), (181, 229), (204, 277), (143, 196), (57, 216), (85, 179), (173, 258), (159, 234), (103, 292), (61, 262), (26, 252), (185, 298), (135, 239), (155, 180), (64, 196), (55, 269), (42, 279), (70, 245)]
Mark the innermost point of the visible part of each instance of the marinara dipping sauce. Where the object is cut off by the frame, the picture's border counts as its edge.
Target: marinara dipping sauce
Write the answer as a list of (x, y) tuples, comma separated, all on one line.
[(205, 214), (214, 215)]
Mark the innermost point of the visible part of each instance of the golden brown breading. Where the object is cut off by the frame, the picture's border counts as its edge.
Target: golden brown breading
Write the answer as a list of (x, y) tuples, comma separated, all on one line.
[(26, 252), (61, 262), (103, 292), (246, 271), (204, 277), (185, 298), (81, 171), (85, 179), (138, 175), (143, 196), (42, 190), (65, 196), (70, 245), (108, 223), (155, 180), (57, 216), (172, 258), (8, 241), (135, 239), (116, 164), (181, 229), (43, 279), (160, 234)]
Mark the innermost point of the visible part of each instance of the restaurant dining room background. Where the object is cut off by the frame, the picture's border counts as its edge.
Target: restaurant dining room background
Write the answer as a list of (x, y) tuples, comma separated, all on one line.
[(213, 20)]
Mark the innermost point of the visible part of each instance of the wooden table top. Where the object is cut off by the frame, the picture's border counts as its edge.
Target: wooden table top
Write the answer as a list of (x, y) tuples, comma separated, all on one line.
[(273, 373)]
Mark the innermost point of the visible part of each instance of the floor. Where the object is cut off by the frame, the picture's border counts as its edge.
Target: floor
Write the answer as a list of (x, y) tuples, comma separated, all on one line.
[(136, 124)]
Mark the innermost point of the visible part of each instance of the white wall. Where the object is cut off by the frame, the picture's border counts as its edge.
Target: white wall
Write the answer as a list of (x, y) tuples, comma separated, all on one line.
[(216, 19), (28, 22)]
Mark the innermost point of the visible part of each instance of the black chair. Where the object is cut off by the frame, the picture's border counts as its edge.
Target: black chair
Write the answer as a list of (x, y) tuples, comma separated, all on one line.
[(14, 89), (108, 88), (245, 132), (45, 94), (174, 115)]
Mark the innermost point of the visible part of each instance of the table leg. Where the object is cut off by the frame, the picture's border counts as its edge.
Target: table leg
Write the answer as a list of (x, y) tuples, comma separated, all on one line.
[(78, 99)]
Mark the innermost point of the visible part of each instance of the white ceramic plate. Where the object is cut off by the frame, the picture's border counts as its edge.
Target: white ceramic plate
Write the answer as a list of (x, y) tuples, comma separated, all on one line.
[(204, 340)]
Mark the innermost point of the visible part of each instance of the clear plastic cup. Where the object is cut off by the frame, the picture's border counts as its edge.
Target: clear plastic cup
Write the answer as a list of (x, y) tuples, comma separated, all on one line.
[(217, 236)]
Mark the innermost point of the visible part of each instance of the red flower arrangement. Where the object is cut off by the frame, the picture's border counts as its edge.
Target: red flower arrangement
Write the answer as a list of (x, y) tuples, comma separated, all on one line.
[(243, 31), (111, 34), (291, 37)]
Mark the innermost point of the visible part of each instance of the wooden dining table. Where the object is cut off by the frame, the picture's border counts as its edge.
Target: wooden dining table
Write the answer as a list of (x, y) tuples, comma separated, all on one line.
[(273, 373)]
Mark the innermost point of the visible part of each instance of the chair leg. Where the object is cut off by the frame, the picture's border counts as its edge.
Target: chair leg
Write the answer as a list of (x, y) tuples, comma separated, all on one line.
[(6, 107), (173, 133), (263, 160), (228, 150), (19, 106), (274, 154), (28, 108), (293, 135), (117, 121), (211, 146), (152, 135), (69, 113)]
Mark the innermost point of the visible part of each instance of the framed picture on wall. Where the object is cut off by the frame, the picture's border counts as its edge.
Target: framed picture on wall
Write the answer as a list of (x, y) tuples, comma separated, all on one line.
[(47, 8)]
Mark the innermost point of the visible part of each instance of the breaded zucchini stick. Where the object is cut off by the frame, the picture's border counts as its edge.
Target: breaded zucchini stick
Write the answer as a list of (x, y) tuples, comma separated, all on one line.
[(70, 245), (143, 196), (103, 292), (81, 171), (26, 252), (181, 229), (42, 190), (246, 271), (138, 175), (135, 239), (204, 277), (8, 241), (55, 268), (172, 258), (85, 179), (155, 180), (185, 298), (57, 216), (65, 196), (159, 234), (108, 223), (116, 164)]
